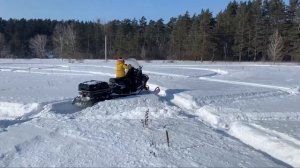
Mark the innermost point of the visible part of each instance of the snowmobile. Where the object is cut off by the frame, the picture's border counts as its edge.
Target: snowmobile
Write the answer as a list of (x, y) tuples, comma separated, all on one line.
[(93, 91)]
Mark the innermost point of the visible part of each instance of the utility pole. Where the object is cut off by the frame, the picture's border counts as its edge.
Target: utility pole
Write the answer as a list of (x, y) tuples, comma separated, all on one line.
[(105, 49)]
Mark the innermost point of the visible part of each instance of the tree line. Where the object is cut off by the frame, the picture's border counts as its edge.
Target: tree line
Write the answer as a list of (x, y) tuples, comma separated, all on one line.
[(257, 30)]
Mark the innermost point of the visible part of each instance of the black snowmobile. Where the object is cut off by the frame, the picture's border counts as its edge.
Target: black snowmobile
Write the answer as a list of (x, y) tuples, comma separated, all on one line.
[(91, 92)]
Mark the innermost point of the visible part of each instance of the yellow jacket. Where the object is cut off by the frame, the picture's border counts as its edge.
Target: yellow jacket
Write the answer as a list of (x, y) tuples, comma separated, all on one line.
[(121, 69)]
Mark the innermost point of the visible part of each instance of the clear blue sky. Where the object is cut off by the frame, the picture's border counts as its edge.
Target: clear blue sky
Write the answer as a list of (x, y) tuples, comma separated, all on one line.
[(105, 10)]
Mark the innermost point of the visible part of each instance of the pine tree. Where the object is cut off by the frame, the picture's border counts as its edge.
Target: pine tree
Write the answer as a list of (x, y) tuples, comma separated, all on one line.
[(194, 40), (179, 37), (2, 44), (258, 30), (293, 31), (111, 29), (240, 34), (206, 38), (142, 37), (225, 29)]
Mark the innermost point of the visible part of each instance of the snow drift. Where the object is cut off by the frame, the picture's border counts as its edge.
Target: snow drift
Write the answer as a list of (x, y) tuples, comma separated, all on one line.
[(11, 111)]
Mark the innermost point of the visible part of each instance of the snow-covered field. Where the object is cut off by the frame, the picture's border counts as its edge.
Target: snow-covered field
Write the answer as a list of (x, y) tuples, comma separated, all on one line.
[(216, 115)]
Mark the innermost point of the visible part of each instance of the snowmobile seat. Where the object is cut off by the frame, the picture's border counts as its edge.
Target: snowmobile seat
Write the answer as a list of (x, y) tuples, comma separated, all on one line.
[(93, 85)]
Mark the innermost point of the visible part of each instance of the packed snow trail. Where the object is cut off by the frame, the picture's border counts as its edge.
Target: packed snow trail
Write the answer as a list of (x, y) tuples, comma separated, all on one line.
[(278, 148), (113, 129), (278, 145), (285, 89), (219, 72), (282, 147), (216, 72), (111, 134)]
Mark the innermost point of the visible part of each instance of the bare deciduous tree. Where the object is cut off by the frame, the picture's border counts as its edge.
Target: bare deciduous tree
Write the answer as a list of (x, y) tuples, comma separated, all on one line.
[(143, 53), (64, 40), (70, 39), (58, 39), (38, 45), (276, 45)]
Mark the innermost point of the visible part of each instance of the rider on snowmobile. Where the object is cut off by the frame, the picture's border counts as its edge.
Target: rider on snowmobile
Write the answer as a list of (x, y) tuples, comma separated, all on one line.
[(121, 66), (122, 76)]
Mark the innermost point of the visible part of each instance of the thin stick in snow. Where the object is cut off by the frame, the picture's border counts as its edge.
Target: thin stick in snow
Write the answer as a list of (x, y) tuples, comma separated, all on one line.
[(143, 122), (146, 119), (168, 140)]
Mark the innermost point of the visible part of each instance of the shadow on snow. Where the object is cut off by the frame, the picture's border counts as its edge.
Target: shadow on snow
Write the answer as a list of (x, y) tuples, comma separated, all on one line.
[(7, 123), (65, 107)]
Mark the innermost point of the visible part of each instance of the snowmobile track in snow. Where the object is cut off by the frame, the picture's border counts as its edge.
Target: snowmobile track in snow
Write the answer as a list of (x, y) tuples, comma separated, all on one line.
[(230, 98), (17, 113), (212, 118), (201, 107)]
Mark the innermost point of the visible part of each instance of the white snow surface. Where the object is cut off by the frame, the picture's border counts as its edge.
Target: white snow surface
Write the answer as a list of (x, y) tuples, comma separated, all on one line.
[(15, 110), (216, 115)]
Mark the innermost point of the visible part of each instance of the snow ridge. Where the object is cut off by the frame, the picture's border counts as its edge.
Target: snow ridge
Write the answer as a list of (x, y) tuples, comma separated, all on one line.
[(285, 89), (276, 144), (11, 111), (217, 71), (166, 74)]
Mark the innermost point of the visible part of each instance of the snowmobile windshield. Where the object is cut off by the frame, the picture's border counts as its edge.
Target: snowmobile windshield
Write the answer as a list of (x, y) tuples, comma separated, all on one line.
[(133, 62)]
